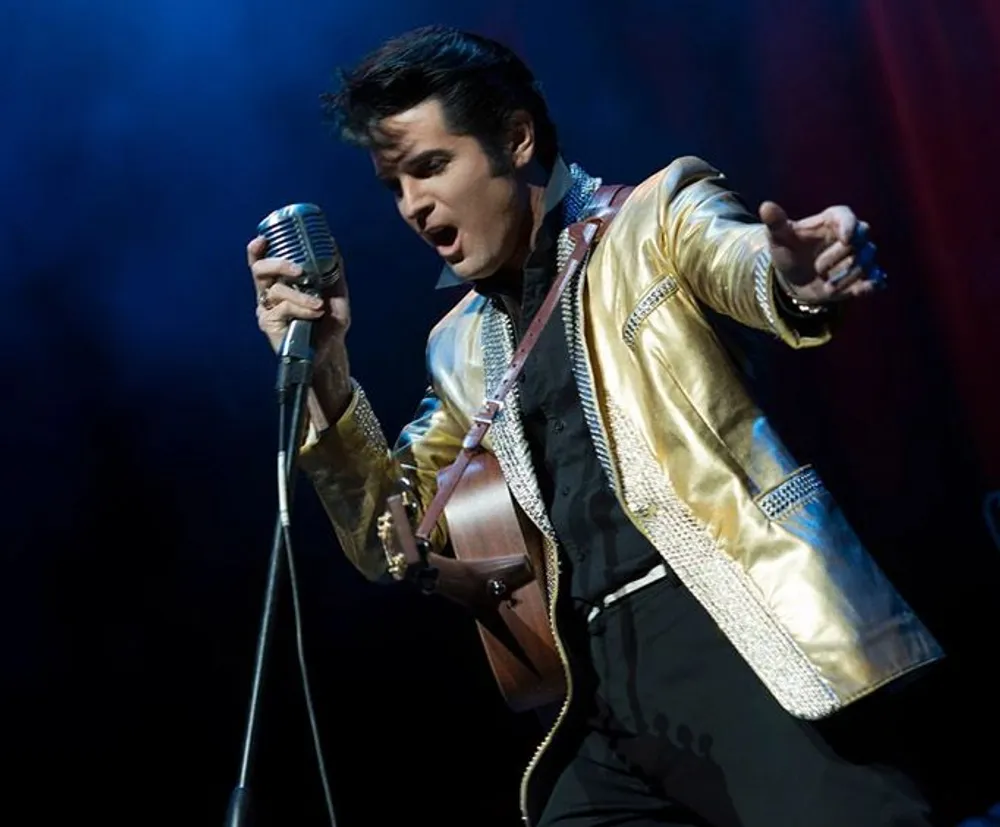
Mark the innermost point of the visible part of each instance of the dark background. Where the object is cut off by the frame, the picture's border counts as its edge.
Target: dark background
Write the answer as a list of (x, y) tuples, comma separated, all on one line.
[(142, 143)]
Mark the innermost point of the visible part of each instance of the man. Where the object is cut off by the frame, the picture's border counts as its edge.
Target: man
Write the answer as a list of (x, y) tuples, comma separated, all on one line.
[(713, 606)]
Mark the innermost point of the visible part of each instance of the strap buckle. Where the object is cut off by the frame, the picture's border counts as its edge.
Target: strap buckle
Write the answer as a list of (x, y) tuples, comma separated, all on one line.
[(484, 419)]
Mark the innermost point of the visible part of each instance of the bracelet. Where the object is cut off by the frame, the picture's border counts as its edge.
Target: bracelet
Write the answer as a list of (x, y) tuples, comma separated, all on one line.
[(797, 304)]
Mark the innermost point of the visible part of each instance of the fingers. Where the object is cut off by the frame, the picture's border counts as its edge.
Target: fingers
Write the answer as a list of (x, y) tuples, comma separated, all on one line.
[(841, 223), (279, 292), (857, 276), (280, 301), (860, 287), (841, 282), (256, 249), (857, 263), (832, 225), (269, 271), (275, 268), (837, 253), (831, 247), (280, 304), (782, 228), (279, 315)]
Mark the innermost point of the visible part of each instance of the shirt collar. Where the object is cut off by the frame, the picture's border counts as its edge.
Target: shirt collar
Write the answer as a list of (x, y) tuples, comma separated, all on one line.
[(561, 182)]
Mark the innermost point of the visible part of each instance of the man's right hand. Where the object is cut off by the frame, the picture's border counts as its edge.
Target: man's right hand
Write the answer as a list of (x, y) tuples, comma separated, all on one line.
[(278, 302)]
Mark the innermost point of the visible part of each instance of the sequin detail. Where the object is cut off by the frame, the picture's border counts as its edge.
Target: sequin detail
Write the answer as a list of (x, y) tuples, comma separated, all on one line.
[(660, 292), (714, 578), (572, 311), (507, 432), (762, 287), (367, 422), (577, 200), (804, 485)]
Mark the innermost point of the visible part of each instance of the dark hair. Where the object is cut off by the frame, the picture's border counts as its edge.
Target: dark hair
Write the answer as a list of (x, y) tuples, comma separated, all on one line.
[(479, 82)]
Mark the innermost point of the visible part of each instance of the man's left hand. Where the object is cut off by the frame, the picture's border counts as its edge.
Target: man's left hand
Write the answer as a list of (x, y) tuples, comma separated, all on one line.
[(823, 258)]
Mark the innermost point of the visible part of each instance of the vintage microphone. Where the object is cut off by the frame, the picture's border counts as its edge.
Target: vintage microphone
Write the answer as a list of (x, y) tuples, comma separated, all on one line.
[(299, 233)]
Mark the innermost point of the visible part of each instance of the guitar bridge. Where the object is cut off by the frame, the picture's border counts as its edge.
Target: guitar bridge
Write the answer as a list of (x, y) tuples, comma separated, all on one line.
[(500, 591)]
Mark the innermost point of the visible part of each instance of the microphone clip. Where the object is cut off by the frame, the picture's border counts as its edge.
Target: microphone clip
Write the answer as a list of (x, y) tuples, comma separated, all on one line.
[(295, 358)]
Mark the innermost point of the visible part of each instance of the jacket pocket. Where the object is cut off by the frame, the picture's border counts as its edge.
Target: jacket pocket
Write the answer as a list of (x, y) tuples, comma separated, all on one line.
[(797, 490), (657, 294)]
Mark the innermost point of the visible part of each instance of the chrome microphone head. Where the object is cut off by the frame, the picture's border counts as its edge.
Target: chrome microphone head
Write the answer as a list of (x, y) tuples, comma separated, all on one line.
[(300, 233)]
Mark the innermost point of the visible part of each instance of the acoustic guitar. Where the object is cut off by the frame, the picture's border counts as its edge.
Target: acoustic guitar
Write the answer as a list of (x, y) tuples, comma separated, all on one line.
[(486, 525), (497, 573)]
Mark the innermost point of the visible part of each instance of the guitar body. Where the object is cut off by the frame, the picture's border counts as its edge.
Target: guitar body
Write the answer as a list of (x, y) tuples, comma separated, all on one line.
[(489, 533)]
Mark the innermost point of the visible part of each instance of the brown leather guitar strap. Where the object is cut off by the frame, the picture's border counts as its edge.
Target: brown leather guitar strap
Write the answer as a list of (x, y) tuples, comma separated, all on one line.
[(608, 199)]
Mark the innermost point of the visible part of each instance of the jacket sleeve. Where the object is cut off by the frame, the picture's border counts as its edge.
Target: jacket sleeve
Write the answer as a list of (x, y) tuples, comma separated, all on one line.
[(719, 249), (354, 471)]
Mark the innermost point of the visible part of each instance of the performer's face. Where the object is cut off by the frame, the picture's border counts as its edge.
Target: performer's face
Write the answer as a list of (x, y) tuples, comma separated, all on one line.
[(447, 191)]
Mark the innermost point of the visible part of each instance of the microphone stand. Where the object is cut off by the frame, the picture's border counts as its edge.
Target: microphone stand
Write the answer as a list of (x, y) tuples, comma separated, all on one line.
[(294, 376)]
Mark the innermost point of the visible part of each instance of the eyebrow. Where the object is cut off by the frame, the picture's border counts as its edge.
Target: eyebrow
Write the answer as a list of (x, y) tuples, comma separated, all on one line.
[(411, 162)]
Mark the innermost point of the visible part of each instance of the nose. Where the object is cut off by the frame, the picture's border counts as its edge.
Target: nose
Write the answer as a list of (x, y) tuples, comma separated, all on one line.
[(415, 203)]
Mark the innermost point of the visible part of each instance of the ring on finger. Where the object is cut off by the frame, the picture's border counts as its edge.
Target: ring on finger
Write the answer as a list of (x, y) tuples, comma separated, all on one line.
[(865, 261), (843, 274)]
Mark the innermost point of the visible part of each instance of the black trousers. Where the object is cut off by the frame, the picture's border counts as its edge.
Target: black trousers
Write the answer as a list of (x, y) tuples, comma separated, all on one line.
[(682, 732)]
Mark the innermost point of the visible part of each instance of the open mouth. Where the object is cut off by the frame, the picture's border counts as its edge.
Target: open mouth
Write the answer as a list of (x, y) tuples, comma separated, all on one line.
[(443, 238)]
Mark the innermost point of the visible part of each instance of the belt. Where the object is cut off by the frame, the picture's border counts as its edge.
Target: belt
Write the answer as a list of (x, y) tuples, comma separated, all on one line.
[(656, 573)]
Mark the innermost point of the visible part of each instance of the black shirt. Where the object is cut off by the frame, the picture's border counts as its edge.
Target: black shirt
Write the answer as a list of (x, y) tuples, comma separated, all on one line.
[(601, 549)]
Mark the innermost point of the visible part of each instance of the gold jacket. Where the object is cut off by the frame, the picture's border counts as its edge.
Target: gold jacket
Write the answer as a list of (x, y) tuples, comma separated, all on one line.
[(751, 532)]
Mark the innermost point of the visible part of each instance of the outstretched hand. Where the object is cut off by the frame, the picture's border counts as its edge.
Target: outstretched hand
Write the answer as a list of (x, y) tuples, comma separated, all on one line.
[(824, 257)]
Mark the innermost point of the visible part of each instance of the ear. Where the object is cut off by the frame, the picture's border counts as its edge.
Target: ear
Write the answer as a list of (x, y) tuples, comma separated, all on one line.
[(521, 142)]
